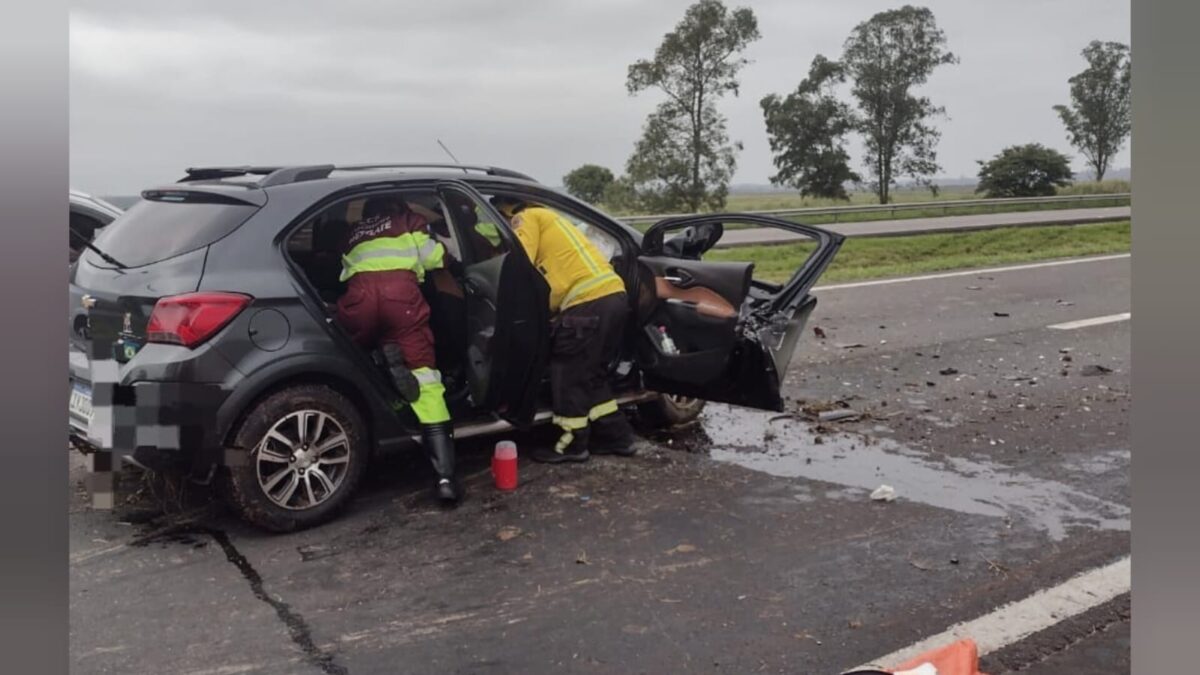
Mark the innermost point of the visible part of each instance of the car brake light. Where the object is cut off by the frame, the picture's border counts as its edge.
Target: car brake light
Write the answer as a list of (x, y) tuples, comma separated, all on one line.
[(192, 318)]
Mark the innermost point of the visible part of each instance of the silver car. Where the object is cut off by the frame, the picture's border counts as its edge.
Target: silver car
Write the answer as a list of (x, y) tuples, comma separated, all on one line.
[(88, 215)]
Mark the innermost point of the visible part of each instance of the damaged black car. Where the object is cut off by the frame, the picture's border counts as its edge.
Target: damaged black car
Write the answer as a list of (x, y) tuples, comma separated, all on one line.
[(203, 339)]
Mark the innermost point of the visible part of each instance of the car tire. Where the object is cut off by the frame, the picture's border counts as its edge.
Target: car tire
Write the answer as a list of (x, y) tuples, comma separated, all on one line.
[(306, 451), (667, 410)]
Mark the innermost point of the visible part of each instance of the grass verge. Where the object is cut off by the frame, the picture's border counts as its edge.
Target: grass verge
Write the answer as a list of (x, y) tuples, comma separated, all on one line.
[(877, 257)]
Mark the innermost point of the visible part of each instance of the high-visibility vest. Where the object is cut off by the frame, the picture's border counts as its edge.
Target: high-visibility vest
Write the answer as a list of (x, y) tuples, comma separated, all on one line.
[(392, 243), (574, 268)]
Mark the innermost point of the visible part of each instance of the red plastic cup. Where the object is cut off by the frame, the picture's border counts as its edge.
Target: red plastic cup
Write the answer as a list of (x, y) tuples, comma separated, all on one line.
[(504, 465)]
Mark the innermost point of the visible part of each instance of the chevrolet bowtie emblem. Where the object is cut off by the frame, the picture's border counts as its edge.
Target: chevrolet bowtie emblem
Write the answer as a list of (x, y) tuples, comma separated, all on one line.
[(87, 301)]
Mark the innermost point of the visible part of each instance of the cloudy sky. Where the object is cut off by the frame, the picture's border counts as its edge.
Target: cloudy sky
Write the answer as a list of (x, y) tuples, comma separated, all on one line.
[(535, 85)]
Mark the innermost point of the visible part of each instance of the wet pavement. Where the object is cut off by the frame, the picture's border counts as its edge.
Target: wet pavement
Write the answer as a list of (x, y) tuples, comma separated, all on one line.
[(745, 543)]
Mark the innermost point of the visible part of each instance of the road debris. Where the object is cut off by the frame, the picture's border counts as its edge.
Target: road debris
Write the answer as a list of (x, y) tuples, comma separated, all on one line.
[(974, 288), (884, 493), (948, 371), (582, 559), (923, 565), (994, 566), (850, 345), (508, 532), (818, 332), (1094, 369), (841, 415), (1000, 314)]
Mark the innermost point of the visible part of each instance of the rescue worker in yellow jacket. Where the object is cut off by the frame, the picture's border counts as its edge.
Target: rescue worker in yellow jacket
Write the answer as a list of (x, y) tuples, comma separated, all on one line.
[(589, 307)]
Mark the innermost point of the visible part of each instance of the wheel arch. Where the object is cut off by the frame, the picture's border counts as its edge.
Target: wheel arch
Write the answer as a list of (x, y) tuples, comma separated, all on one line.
[(328, 373)]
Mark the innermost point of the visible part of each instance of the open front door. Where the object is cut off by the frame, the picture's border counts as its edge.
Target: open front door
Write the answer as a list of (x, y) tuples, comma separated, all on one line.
[(508, 307), (707, 327)]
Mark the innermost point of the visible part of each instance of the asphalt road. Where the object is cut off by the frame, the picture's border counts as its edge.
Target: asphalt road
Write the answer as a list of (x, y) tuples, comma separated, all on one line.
[(983, 221), (747, 543)]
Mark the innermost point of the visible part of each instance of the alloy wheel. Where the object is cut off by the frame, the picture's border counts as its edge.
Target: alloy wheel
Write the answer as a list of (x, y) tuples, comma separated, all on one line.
[(303, 459)]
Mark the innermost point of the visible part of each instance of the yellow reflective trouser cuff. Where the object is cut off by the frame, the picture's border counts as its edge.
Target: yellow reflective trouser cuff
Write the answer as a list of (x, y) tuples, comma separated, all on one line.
[(569, 425), (606, 408), (430, 406)]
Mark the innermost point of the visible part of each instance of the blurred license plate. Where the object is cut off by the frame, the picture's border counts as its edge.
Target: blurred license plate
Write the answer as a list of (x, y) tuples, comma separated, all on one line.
[(80, 405)]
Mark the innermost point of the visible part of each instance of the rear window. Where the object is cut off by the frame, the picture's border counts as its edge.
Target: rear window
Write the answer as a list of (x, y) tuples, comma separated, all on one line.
[(169, 224)]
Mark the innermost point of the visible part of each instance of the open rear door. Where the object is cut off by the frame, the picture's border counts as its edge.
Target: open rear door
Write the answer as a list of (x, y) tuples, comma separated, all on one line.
[(731, 335), (508, 322)]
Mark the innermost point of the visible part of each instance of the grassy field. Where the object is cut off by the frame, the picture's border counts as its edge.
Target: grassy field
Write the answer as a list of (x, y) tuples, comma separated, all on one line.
[(876, 257)]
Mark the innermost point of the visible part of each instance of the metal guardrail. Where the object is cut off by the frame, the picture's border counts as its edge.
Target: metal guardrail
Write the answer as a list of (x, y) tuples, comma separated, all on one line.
[(943, 205)]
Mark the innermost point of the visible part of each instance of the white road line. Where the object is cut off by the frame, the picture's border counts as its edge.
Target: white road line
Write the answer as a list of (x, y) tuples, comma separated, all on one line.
[(1098, 321), (966, 273), (1017, 621)]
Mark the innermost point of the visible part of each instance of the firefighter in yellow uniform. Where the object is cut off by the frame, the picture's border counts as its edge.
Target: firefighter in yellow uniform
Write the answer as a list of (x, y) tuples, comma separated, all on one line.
[(589, 309)]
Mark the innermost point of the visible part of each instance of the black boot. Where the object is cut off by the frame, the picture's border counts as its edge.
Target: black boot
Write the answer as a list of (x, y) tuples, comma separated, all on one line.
[(612, 435), (574, 451), (438, 440), (403, 378)]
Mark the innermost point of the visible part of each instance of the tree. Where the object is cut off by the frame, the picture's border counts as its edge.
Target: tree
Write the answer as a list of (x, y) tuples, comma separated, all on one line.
[(1031, 170), (588, 182), (621, 197), (807, 131), (684, 159), (1099, 118), (886, 57)]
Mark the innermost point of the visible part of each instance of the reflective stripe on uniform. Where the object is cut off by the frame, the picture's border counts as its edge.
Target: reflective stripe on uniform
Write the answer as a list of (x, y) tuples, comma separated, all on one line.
[(570, 423), (432, 254), (569, 232), (600, 410), (412, 251), (427, 375), (585, 286), (563, 441)]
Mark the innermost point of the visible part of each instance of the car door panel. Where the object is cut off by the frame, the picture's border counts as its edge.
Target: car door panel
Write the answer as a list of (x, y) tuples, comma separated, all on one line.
[(739, 356), (507, 305), (696, 304), (729, 281)]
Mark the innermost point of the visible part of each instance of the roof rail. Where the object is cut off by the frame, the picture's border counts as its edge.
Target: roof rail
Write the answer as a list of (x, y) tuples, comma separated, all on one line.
[(215, 172), (272, 175), (296, 174), (283, 175), (489, 170)]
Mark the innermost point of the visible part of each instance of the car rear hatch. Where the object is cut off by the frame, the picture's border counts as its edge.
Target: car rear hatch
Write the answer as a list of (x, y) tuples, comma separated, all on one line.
[(155, 249)]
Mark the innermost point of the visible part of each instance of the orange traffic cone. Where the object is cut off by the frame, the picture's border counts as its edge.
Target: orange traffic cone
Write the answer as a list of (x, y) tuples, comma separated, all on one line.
[(960, 658)]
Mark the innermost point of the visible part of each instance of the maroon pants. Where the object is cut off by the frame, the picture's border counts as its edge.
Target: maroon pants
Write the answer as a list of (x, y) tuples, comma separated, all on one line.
[(387, 307)]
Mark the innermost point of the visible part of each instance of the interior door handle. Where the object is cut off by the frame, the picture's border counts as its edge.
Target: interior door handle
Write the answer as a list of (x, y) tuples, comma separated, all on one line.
[(678, 277)]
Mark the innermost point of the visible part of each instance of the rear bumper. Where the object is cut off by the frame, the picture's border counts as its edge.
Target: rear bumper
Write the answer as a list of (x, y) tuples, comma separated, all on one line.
[(159, 424)]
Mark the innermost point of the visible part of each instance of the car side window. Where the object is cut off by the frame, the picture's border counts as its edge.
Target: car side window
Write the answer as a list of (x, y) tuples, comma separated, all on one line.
[(480, 235), (608, 244), (316, 246)]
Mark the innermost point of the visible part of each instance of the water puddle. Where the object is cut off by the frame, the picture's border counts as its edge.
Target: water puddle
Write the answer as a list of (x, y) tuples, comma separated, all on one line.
[(784, 446)]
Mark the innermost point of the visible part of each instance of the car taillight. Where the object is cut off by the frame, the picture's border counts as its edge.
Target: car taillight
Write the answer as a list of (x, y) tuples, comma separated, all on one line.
[(192, 318)]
